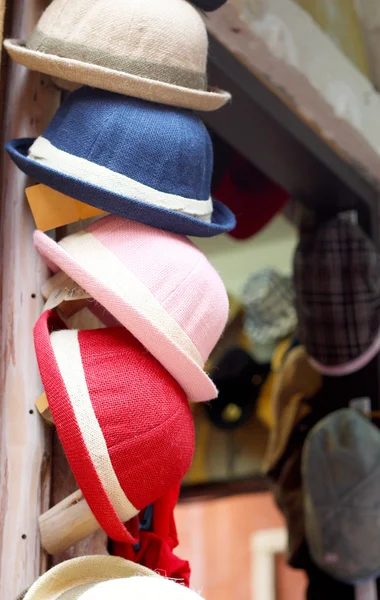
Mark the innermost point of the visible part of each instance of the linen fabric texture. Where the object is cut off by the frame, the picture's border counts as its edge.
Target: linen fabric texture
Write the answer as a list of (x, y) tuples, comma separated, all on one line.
[(340, 469), (156, 51), (136, 159), (104, 577), (337, 285), (269, 306), (124, 422), (158, 285)]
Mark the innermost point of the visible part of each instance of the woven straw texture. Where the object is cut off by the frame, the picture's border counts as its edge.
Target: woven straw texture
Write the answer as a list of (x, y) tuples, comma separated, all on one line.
[(125, 424), (151, 50), (83, 571), (156, 284), (105, 577)]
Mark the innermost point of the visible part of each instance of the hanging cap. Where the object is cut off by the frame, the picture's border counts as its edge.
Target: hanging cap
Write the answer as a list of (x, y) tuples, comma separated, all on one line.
[(341, 475), (337, 296)]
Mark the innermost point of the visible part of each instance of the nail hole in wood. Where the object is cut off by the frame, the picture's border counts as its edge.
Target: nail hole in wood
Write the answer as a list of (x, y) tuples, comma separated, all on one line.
[(24, 536), (31, 412), (33, 295)]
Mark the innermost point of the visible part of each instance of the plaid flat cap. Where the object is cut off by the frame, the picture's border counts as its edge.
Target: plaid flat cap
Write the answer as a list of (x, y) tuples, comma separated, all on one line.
[(269, 305), (337, 296)]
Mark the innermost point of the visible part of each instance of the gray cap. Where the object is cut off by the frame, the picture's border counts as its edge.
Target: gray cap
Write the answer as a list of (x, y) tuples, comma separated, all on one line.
[(341, 477), (269, 306)]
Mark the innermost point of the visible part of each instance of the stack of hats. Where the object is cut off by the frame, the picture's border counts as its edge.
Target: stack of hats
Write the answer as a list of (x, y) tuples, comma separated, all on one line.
[(127, 141)]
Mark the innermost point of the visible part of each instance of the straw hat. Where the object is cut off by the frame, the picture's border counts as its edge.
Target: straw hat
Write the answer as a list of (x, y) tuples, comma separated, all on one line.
[(158, 285), (142, 161), (151, 50), (103, 578), (124, 423)]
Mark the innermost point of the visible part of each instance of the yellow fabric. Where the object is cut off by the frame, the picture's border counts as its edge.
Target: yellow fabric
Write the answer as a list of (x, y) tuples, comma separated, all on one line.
[(198, 471), (295, 381), (264, 403)]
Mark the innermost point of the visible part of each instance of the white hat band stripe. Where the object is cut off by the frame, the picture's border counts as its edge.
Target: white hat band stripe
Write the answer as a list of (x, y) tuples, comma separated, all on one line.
[(42, 151), (65, 345), (96, 259)]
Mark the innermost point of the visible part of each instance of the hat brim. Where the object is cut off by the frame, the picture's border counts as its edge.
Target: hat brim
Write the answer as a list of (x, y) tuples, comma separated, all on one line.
[(70, 434), (192, 378), (352, 366), (83, 571), (115, 81), (223, 219)]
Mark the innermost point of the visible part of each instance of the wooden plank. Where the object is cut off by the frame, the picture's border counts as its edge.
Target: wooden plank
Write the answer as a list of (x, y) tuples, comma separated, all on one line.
[(280, 121), (30, 101)]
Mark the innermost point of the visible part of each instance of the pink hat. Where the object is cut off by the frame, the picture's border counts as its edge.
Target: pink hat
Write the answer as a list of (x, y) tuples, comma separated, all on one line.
[(124, 422), (157, 284)]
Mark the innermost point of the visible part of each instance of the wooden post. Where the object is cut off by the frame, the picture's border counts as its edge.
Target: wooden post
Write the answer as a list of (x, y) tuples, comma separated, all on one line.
[(67, 523), (29, 103), (63, 484)]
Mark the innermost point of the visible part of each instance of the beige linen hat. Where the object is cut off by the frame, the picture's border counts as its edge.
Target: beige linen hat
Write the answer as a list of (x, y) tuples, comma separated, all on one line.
[(105, 578), (154, 50)]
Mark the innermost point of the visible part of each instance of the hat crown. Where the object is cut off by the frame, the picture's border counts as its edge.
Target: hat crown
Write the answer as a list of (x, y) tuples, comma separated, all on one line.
[(342, 450), (346, 264), (268, 299), (163, 41), (124, 422), (165, 148), (340, 467), (183, 280)]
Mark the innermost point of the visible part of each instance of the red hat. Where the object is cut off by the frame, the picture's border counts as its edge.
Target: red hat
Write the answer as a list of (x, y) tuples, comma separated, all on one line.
[(125, 424), (252, 196), (157, 540)]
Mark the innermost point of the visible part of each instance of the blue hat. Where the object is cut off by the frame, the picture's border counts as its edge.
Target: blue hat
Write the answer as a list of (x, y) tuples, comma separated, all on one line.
[(143, 161)]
